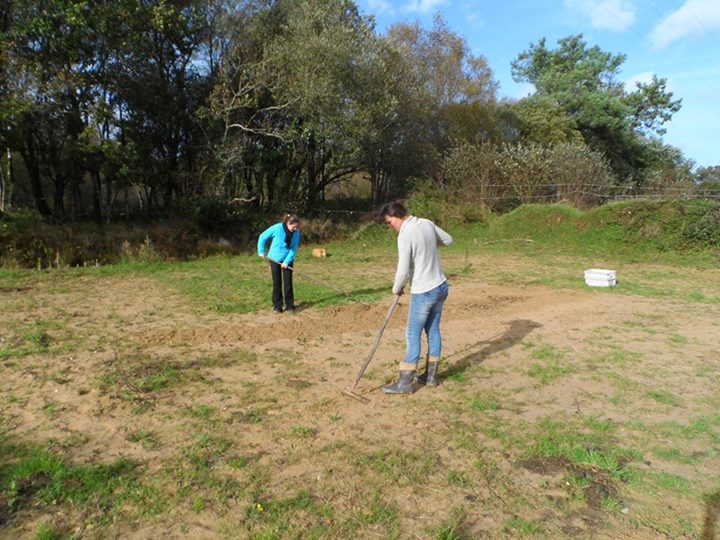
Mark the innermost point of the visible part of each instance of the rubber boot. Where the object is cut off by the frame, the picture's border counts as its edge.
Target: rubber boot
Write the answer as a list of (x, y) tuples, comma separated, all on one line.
[(404, 384), (422, 378), (429, 378)]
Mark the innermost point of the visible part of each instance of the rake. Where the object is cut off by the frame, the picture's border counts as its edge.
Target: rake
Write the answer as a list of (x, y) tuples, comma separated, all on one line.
[(350, 390)]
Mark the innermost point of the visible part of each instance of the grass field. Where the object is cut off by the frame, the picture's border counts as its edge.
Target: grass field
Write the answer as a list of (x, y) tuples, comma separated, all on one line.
[(153, 399)]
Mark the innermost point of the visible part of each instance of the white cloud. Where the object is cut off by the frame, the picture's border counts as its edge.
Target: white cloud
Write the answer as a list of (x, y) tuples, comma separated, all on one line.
[(381, 6), (424, 6), (606, 14), (645, 78), (520, 90), (693, 17), (475, 19)]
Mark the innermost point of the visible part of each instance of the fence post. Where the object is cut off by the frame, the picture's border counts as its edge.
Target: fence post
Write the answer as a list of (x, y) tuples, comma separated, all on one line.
[(2, 183)]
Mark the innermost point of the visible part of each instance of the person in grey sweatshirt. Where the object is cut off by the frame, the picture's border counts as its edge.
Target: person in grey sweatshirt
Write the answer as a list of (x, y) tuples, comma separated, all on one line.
[(419, 267)]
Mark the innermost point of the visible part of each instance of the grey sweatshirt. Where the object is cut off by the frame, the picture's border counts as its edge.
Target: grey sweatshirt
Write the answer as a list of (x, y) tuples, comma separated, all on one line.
[(418, 261)]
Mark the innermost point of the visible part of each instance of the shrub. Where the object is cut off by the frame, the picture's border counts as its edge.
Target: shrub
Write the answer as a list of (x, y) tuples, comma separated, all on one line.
[(503, 177), (431, 202), (706, 231)]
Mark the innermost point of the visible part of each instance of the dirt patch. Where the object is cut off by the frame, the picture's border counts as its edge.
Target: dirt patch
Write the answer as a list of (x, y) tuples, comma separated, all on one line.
[(547, 466), (228, 412)]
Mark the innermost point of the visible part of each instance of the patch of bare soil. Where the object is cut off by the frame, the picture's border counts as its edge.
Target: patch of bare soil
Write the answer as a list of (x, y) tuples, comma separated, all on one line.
[(257, 402)]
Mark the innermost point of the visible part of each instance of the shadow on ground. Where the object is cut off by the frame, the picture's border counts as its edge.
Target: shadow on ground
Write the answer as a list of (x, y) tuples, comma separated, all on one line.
[(712, 513), (514, 334)]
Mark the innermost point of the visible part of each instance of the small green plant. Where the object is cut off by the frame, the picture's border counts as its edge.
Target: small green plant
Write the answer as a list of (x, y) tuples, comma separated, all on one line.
[(147, 438), (677, 339), (158, 378), (379, 512), (51, 409), (666, 398), (447, 532), (577, 484), (47, 531), (459, 478), (480, 404), (523, 526), (237, 462), (201, 411), (548, 373), (610, 504), (198, 504), (302, 432)]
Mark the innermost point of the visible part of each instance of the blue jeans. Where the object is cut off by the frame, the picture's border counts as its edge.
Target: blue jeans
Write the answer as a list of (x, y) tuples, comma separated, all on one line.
[(424, 314)]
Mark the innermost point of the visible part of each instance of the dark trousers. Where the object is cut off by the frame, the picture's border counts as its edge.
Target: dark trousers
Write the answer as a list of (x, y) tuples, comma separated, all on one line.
[(282, 276)]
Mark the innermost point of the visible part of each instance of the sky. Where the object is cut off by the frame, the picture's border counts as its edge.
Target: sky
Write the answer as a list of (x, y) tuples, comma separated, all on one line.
[(677, 40)]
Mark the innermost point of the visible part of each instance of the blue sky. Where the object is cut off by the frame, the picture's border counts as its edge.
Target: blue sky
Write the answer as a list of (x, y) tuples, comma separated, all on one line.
[(678, 40)]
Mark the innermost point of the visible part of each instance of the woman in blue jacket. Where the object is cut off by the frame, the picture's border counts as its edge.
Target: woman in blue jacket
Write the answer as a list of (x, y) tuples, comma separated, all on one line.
[(285, 239)]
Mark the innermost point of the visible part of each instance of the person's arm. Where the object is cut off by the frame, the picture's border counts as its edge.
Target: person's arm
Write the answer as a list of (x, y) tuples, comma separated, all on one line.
[(443, 238), (402, 273), (264, 237), (294, 243)]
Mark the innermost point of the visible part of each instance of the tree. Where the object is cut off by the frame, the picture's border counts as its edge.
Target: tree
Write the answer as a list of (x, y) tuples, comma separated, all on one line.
[(92, 88), (304, 95), (582, 82), (47, 55), (543, 121), (707, 180), (450, 93), (163, 81)]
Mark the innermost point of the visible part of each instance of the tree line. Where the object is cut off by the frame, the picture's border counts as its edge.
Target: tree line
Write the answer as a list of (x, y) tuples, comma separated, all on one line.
[(175, 104)]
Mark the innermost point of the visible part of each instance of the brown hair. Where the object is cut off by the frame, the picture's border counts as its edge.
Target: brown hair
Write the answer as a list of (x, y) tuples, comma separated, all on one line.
[(392, 209), (290, 219)]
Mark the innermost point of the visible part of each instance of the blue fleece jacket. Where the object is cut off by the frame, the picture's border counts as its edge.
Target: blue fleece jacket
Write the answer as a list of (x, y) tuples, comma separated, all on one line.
[(278, 250)]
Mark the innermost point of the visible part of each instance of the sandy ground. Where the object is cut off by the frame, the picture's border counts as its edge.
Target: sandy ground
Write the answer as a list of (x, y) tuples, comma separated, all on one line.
[(272, 387)]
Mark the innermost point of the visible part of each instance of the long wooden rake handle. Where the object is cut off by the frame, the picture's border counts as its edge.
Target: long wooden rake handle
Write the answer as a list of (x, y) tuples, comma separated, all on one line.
[(389, 314)]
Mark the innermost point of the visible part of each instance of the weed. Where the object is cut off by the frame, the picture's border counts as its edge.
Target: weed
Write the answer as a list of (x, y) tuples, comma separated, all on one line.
[(666, 398), (610, 504), (578, 483), (548, 373), (198, 504), (401, 466), (39, 478), (302, 432), (670, 482), (480, 404), (677, 339), (47, 531), (522, 526), (203, 412), (676, 455), (237, 462), (458, 478), (148, 439), (379, 512), (558, 439)]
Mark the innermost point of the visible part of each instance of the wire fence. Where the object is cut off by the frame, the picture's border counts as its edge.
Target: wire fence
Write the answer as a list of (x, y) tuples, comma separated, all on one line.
[(589, 194)]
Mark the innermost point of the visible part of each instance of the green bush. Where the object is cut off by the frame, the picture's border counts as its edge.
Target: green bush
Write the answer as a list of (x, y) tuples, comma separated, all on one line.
[(706, 231), (506, 176), (212, 214), (429, 201)]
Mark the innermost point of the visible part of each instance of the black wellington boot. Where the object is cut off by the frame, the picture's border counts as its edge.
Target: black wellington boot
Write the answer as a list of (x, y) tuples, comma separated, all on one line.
[(404, 384), (429, 378)]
